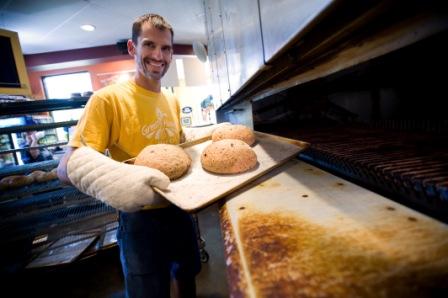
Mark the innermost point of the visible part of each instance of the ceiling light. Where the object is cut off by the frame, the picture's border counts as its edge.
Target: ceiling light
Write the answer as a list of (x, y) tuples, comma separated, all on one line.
[(88, 27)]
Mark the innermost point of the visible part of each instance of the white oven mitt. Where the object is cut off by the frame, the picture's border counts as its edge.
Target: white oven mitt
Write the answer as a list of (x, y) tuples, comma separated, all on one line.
[(195, 133), (122, 186)]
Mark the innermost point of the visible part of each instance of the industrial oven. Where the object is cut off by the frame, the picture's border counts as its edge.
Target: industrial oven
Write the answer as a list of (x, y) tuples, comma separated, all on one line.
[(363, 83)]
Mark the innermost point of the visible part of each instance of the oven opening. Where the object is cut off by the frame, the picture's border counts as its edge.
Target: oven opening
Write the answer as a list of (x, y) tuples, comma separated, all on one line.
[(382, 124)]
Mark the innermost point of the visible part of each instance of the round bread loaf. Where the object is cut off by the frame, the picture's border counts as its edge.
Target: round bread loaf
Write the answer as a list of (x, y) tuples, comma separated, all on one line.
[(169, 159), (41, 176), (53, 174), (16, 181), (37, 175), (228, 157), (238, 132)]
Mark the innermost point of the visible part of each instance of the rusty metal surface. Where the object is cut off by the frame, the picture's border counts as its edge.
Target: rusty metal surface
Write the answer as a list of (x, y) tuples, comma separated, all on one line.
[(303, 232), (291, 257), (235, 275)]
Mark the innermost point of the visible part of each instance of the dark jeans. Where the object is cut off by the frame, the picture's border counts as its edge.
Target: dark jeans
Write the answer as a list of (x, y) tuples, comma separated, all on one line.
[(154, 245)]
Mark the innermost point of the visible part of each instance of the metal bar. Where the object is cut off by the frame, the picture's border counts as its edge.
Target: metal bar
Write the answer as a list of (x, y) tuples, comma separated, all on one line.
[(36, 106), (35, 147), (37, 127), (16, 159), (24, 169)]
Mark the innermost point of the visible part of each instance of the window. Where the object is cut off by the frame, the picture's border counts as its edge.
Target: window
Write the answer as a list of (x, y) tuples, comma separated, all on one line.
[(63, 86)]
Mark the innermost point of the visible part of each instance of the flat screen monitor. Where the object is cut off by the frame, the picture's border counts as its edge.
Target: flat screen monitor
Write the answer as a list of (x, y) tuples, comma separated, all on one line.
[(13, 75)]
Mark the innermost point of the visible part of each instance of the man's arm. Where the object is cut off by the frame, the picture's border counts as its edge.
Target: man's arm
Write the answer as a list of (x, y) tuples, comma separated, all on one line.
[(122, 186), (62, 167), (33, 143)]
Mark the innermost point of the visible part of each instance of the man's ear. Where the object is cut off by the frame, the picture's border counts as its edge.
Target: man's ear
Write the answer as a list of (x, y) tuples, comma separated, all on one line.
[(131, 47)]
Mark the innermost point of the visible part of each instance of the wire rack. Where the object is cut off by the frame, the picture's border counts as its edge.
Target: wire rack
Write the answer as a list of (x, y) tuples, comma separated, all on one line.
[(412, 166), (33, 219)]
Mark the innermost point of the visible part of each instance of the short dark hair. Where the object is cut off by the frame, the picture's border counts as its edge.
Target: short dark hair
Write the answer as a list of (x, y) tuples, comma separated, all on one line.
[(154, 19)]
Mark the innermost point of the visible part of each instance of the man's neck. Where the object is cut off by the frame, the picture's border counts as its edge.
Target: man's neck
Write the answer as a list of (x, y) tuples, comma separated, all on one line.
[(146, 83)]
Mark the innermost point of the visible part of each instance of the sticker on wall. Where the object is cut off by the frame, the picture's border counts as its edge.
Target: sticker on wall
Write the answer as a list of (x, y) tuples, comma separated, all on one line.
[(207, 109), (185, 121), (187, 110)]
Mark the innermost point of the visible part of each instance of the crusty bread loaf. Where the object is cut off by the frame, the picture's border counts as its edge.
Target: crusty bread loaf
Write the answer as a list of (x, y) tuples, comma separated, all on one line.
[(238, 132), (15, 181), (228, 157), (42, 176), (37, 175), (171, 160), (53, 174)]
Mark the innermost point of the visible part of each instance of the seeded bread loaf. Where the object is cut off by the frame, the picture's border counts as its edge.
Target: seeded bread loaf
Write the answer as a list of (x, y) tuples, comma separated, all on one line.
[(228, 157), (171, 160), (238, 132)]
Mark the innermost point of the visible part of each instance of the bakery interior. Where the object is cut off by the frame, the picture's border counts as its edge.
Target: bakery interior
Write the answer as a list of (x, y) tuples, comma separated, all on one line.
[(361, 210)]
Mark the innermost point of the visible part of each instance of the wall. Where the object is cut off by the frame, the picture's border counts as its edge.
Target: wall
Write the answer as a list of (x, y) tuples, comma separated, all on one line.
[(96, 60), (194, 88), (95, 71), (190, 81)]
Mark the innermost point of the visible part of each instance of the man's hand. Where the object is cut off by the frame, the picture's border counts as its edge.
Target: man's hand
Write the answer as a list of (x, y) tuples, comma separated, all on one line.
[(122, 186), (194, 133)]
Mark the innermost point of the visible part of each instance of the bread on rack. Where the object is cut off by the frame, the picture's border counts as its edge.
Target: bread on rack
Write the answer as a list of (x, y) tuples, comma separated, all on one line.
[(42, 176), (53, 174), (228, 157), (15, 181), (37, 175), (237, 131), (171, 160)]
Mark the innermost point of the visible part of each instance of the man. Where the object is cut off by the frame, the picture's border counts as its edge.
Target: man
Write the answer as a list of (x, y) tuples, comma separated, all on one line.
[(122, 119), (34, 154)]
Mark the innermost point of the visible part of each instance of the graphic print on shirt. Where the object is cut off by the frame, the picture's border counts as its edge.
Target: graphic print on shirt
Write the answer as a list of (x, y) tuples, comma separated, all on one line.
[(161, 130)]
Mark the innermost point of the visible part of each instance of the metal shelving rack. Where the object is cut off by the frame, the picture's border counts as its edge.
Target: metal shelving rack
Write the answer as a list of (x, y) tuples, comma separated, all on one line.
[(8, 108), (47, 224), (11, 108)]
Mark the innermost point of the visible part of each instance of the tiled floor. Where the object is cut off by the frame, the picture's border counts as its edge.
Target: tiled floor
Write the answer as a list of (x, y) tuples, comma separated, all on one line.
[(101, 277)]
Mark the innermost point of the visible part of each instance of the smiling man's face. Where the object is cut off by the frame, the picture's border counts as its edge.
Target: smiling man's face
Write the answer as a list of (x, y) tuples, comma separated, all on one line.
[(153, 52)]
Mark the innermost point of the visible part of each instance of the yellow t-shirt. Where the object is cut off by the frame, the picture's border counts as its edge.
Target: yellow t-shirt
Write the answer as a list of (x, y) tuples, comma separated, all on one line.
[(124, 118)]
